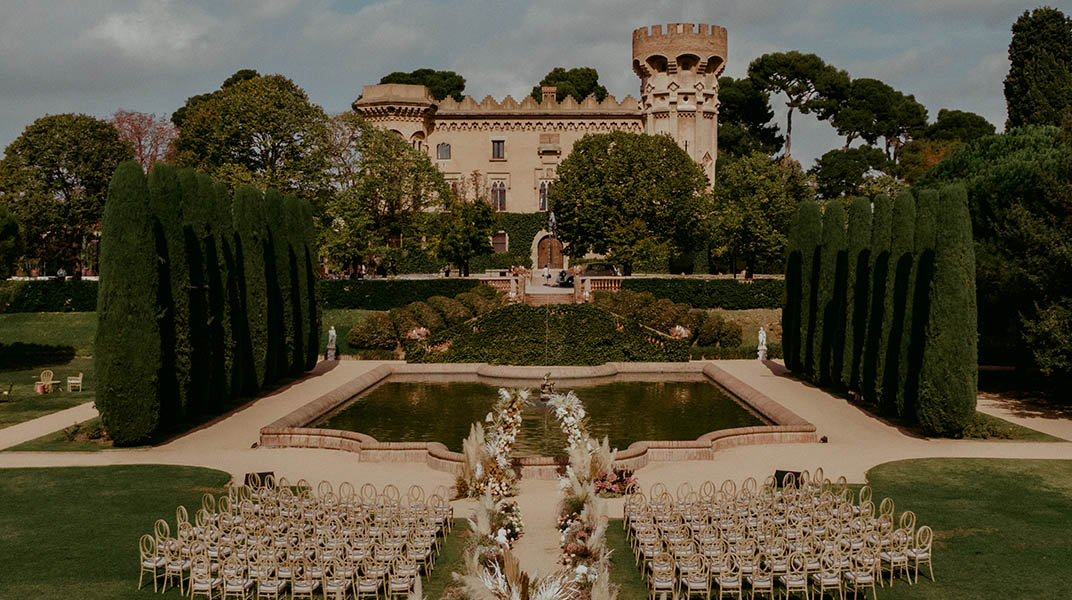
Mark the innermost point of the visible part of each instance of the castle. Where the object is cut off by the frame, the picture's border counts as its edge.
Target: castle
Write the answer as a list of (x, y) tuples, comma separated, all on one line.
[(518, 145)]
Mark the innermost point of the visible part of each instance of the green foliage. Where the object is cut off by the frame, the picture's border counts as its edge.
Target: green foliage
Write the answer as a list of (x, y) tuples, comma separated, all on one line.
[(377, 331), (917, 310), (10, 242), (774, 350), (48, 296), (948, 380), (1038, 88), (426, 316), (579, 334), (898, 284), (755, 198), (1050, 336), (730, 294), (809, 84), (385, 294), (579, 82), (959, 125), (260, 130), (277, 278), (453, 312), (521, 230), (858, 243), (404, 322), (867, 111), (178, 118), (810, 232), (744, 120), (794, 289), (479, 305), (54, 178), (624, 302), (195, 216), (463, 231), (828, 345), (250, 237), (127, 357), (843, 172), (920, 156), (663, 314), (20, 355), (440, 83), (627, 195), (881, 224), (717, 331)]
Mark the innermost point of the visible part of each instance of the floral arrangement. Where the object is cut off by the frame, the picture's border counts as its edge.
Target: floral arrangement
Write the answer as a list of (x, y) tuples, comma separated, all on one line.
[(569, 410), (680, 333), (614, 483), (506, 523), (418, 334), (487, 465)]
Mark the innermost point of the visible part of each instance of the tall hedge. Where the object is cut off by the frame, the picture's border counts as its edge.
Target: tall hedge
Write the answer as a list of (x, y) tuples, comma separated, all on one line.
[(164, 201), (194, 225), (856, 288), (949, 375), (242, 377), (250, 237), (830, 311), (919, 303), (218, 327), (793, 289), (881, 223), (902, 247), (311, 291), (810, 233), (126, 354), (52, 295), (730, 294), (277, 280), (299, 325)]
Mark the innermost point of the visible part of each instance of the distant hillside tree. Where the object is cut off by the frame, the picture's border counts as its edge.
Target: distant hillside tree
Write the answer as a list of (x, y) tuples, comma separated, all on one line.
[(579, 82), (149, 135), (1038, 88), (440, 83), (744, 119)]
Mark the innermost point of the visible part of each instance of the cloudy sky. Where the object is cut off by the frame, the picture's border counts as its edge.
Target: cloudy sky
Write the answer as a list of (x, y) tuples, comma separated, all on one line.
[(96, 56)]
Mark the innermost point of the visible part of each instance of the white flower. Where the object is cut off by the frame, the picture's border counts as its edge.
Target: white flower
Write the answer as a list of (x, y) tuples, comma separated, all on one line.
[(581, 570), (500, 536), (488, 418)]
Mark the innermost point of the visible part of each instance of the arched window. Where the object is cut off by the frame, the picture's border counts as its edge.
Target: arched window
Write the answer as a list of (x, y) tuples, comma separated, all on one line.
[(543, 195), (498, 196), (443, 152)]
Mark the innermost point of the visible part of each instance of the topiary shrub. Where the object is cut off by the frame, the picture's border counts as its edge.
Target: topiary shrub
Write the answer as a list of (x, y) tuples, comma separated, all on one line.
[(376, 331), (626, 303), (404, 322), (485, 291), (427, 316), (453, 312), (717, 331), (663, 314), (693, 321), (476, 303)]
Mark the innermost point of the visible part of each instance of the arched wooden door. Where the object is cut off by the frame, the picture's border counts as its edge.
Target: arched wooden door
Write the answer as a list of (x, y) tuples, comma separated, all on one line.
[(549, 252)]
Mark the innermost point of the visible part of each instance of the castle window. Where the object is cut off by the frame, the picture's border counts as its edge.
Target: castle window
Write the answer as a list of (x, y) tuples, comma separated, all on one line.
[(498, 149), (498, 196), (544, 186), (443, 152), (499, 242), (394, 241)]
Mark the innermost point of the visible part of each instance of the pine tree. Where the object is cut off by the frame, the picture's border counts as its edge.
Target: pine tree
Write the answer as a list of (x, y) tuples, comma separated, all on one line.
[(251, 231), (949, 374), (902, 245), (918, 303), (856, 287), (126, 353), (791, 306), (830, 310), (810, 232), (881, 223)]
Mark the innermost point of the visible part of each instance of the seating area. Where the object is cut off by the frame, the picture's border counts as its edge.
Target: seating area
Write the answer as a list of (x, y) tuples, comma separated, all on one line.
[(809, 536), (272, 539)]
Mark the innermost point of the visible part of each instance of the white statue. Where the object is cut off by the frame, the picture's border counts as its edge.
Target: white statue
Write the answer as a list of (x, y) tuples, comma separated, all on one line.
[(762, 350), (330, 354)]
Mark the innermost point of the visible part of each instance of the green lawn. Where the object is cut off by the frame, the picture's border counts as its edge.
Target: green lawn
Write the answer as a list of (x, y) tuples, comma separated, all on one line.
[(1001, 527), (343, 320), (63, 441), (60, 329), (22, 404), (73, 532)]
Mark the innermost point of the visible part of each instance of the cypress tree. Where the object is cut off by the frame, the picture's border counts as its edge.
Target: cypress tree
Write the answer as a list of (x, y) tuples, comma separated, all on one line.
[(856, 286), (810, 231), (243, 378), (284, 313), (218, 318), (126, 356), (949, 374), (902, 246), (299, 299), (164, 199), (831, 310), (309, 237), (791, 305), (194, 229), (876, 300), (251, 231), (918, 304), (277, 327)]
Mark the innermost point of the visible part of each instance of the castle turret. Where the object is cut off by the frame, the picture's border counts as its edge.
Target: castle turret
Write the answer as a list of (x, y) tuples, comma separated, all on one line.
[(678, 69), (405, 109)]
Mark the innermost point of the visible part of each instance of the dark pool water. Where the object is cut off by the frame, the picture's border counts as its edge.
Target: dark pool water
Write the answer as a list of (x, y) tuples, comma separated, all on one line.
[(626, 412)]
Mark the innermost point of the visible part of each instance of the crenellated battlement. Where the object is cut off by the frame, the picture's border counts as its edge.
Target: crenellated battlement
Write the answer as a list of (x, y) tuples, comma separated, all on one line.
[(680, 30), (662, 49), (508, 105)]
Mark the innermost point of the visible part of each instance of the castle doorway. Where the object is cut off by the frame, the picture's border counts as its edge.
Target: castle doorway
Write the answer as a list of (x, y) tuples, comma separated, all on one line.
[(549, 252)]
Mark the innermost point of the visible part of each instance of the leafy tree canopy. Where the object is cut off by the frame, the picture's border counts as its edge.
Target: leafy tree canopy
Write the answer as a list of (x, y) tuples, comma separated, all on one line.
[(179, 116), (809, 84), (440, 83), (149, 135), (54, 178), (744, 119), (868, 111), (462, 232), (843, 172), (1038, 88), (755, 199), (261, 130), (959, 125), (628, 195), (10, 242), (579, 82)]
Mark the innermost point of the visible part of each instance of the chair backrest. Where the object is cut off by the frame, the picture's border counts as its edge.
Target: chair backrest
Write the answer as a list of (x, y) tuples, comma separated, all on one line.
[(147, 547), (907, 521), (181, 516), (729, 487), (162, 531), (707, 491), (208, 502), (796, 563), (885, 509), (924, 538), (46, 375), (864, 495), (324, 488)]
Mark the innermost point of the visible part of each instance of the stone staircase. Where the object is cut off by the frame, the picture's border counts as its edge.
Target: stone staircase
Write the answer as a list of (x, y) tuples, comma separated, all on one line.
[(545, 299)]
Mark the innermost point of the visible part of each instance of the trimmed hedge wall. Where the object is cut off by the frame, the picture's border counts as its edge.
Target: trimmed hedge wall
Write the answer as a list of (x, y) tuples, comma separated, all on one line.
[(565, 334), (26, 356), (730, 294), (48, 296), (385, 294), (774, 350)]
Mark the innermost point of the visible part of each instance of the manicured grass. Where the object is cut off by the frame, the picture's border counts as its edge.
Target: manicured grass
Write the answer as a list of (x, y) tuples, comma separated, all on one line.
[(343, 319), (22, 404), (451, 559), (62, 441), (989, 427), (73, 532), (623, 570), (60, 329), (752, 319)]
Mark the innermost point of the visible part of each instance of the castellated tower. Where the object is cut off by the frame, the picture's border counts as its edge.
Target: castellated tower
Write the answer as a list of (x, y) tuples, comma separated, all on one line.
[(678, 69)]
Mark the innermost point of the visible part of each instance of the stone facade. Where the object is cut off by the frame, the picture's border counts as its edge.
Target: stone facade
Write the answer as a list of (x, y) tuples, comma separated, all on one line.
[(518, 145)]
